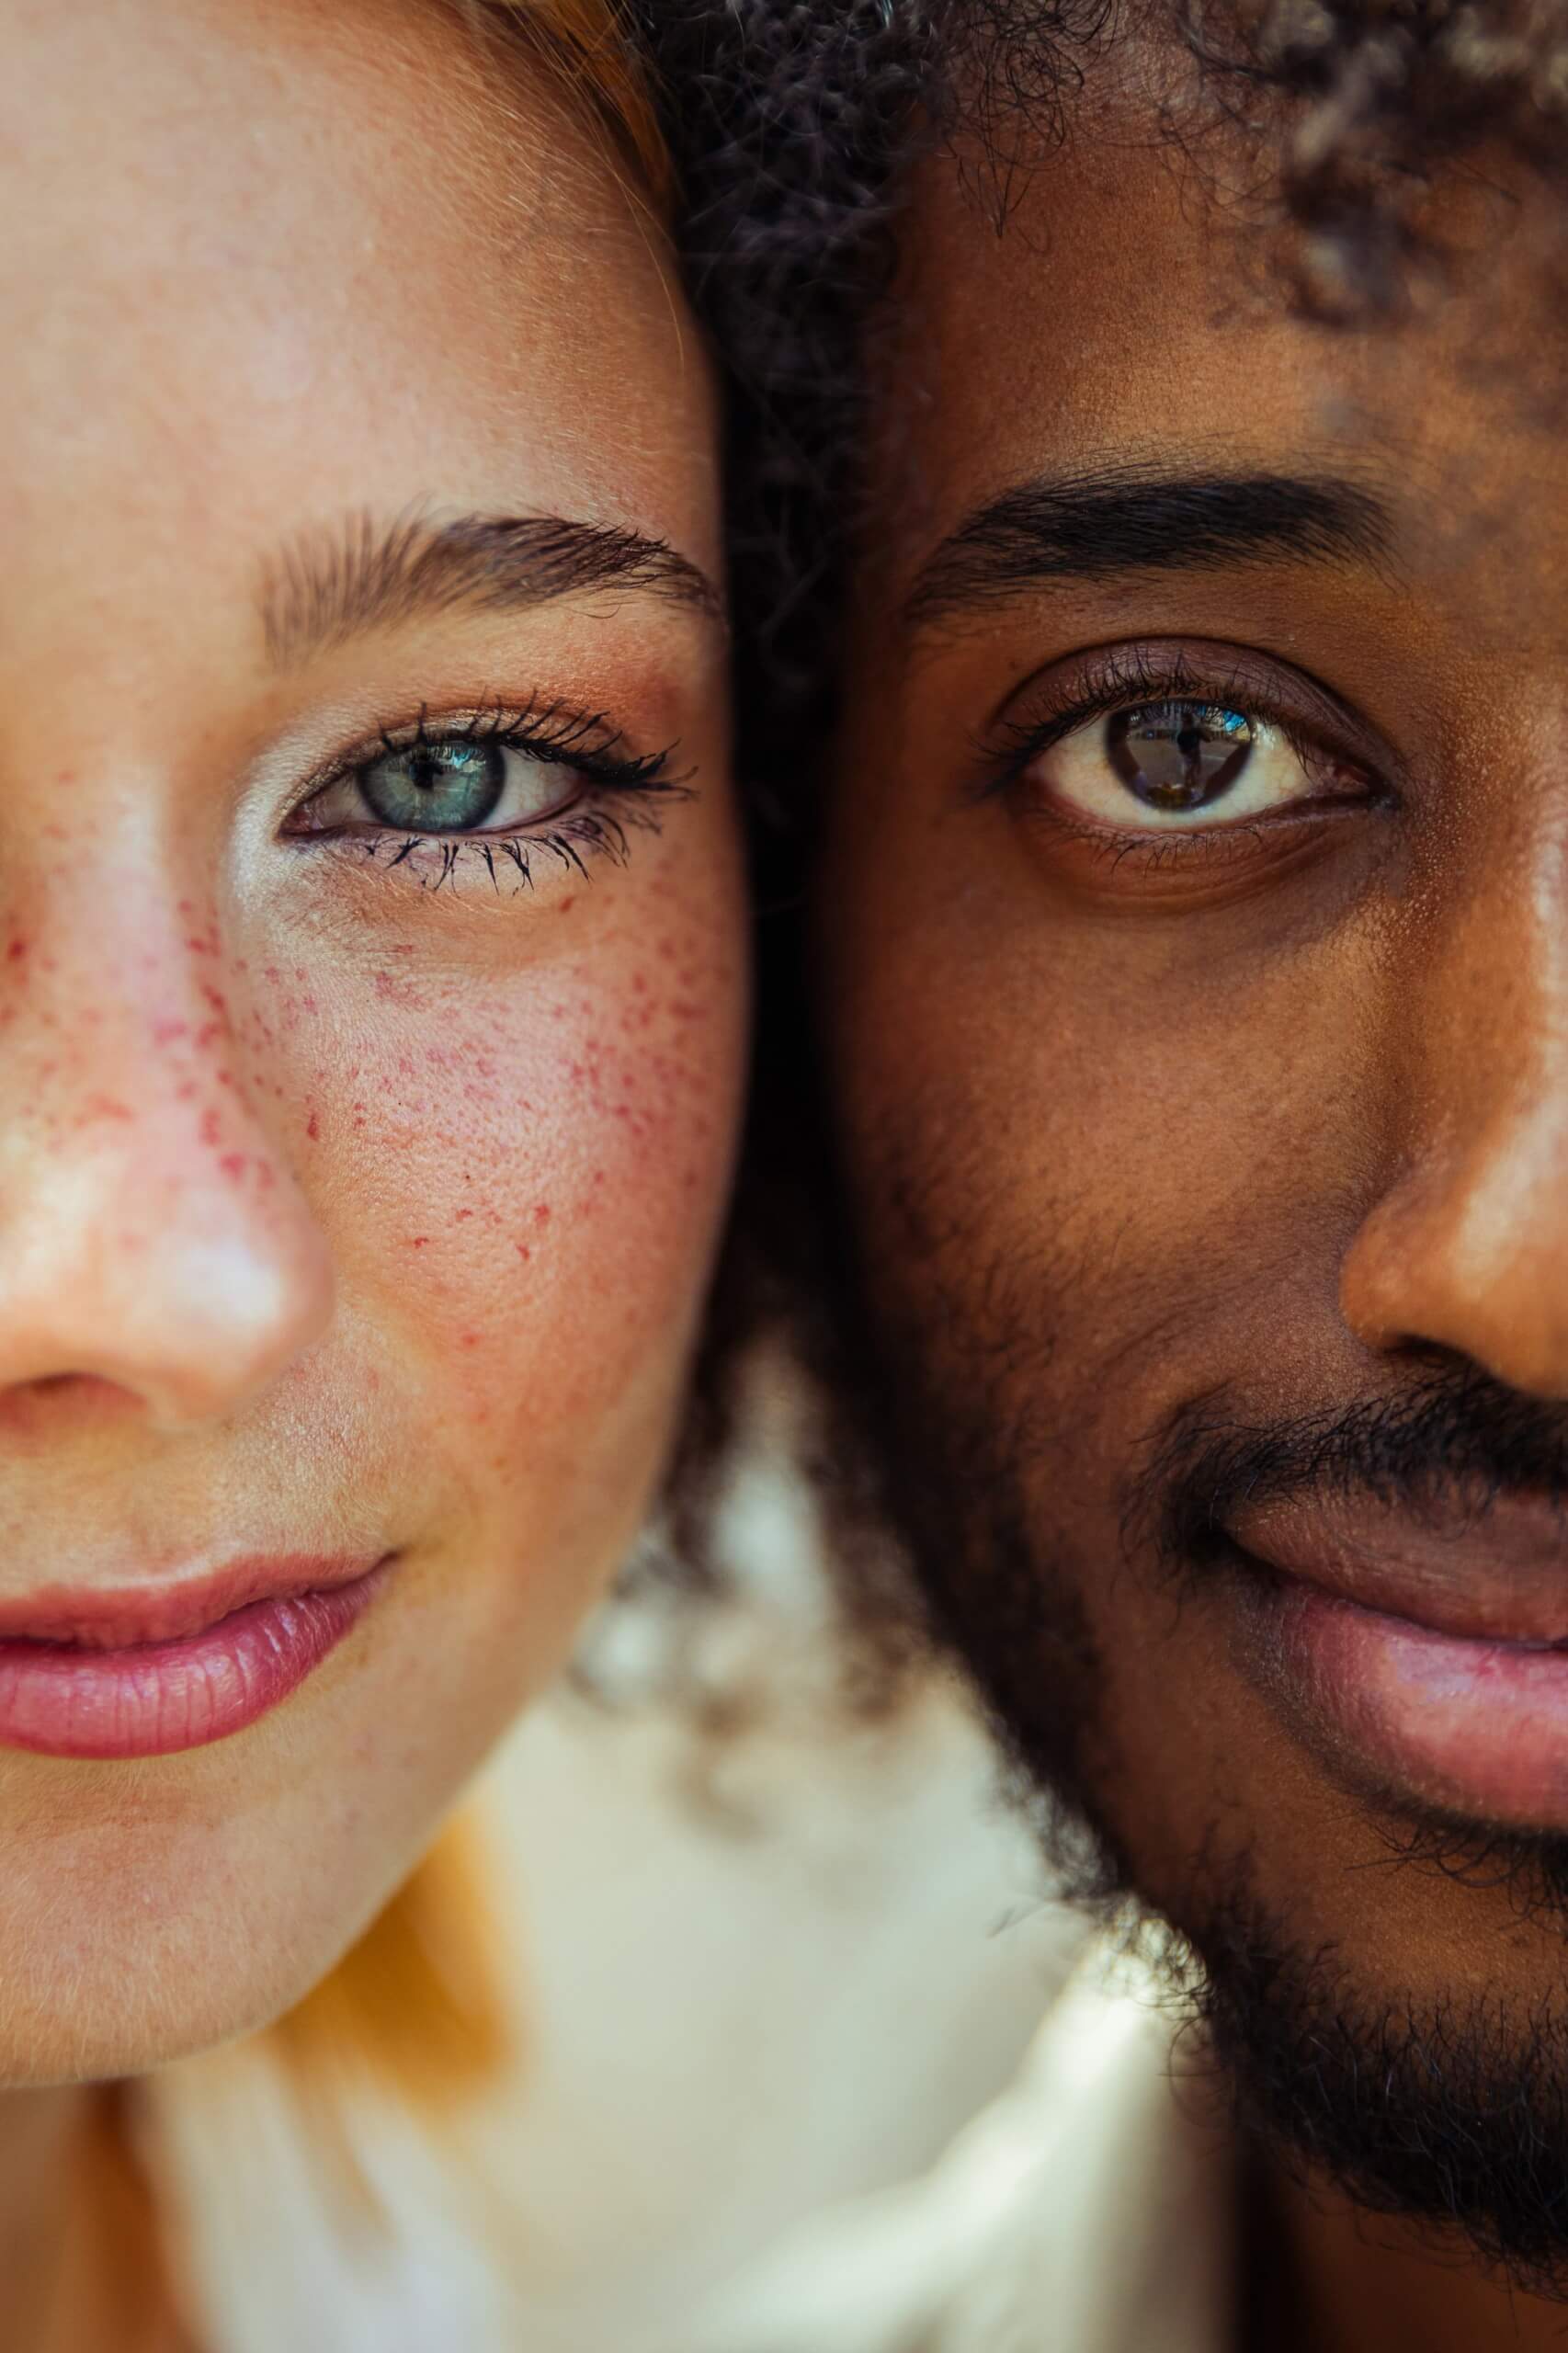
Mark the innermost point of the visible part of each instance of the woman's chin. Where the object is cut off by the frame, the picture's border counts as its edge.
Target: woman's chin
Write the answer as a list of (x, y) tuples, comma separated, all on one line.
[(141, 1921)]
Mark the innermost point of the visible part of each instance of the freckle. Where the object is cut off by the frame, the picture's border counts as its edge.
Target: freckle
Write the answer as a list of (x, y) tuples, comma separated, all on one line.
[(312, 1126)]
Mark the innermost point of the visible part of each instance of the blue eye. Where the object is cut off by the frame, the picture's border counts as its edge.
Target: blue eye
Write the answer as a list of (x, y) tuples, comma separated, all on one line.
[(500, 784), (447, 787)]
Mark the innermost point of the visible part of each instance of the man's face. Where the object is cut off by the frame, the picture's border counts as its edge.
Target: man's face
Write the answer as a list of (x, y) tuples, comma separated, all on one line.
[(1194, 932)]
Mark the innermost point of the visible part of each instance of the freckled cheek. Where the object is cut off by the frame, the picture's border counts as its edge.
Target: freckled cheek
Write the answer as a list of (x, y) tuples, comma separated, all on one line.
[(531, 1197)]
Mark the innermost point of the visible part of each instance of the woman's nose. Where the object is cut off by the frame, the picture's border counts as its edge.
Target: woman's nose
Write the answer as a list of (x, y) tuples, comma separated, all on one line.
[(1467, 1249), (153, 1235)]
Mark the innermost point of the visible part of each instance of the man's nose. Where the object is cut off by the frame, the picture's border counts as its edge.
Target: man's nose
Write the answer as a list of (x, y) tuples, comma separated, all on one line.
[(1467, 1249), (153, 1235)]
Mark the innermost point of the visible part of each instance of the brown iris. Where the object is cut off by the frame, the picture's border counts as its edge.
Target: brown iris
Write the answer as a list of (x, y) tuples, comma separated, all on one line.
[(1178, 755)]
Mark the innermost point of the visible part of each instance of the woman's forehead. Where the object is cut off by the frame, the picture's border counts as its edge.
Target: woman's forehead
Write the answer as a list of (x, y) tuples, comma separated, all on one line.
[(319, 266)]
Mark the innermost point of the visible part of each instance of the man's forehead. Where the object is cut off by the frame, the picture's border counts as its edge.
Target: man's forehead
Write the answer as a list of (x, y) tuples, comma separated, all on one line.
[(1130, 310)]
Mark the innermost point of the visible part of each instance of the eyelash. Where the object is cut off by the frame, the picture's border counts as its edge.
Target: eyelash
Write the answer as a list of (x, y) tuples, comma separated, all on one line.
[(620, 791)]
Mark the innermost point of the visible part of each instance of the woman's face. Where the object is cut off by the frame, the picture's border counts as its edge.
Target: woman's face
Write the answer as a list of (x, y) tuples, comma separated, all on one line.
[(371, 1006)]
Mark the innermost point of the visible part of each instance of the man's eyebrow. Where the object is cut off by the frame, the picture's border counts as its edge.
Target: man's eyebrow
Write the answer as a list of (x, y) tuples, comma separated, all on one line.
[(1124, 519), (331, 585)]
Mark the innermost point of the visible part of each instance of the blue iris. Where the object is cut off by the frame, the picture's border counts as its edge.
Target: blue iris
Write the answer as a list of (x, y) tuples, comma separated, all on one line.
[(437, 788)]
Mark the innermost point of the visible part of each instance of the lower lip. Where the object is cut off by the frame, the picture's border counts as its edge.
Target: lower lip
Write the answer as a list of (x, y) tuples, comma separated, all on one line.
[(157, 1698), (1472, 1726)]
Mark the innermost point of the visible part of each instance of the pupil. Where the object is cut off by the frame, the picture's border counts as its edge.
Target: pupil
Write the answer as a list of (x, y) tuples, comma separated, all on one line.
[(435, 788), (1178, 755)]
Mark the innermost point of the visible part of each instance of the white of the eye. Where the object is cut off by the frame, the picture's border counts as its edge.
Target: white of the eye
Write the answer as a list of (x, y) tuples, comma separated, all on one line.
[(531, 787), (1078, 771), (531, 790)]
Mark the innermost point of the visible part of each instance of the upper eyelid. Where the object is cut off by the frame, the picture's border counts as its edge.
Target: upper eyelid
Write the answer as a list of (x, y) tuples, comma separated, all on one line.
[(466, 722)]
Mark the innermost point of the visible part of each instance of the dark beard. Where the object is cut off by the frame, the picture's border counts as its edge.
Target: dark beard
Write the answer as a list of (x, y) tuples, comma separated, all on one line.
[(1450, 2115)]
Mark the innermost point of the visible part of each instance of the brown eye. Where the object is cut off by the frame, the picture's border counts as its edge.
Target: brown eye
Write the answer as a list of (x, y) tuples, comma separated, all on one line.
[(1176, 756), (1180, 765)]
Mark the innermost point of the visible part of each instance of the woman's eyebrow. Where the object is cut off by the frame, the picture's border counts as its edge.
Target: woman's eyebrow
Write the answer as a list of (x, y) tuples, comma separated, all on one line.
[(335, 583), (1118, 520)]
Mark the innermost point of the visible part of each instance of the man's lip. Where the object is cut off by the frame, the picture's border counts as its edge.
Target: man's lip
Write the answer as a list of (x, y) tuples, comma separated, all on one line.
[(1493, 1574), (132, 1616)]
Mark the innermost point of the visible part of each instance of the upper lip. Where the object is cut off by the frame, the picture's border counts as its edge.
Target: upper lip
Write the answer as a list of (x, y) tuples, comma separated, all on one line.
[(1498, 1574), (109, 1618)]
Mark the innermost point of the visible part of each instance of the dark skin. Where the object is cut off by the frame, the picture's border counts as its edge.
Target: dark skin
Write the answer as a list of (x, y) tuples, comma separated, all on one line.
[(1143, 1118)]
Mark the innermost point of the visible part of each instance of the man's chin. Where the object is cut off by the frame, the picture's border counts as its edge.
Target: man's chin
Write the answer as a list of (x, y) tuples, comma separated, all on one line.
[(1446, 2111)]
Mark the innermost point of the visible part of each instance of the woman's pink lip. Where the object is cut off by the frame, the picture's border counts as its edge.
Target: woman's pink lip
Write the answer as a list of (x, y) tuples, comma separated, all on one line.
[(145, 1672)]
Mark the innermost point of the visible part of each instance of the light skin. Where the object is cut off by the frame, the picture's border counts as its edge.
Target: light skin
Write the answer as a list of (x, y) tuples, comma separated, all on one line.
[(1234, 1129), (347, 1208)]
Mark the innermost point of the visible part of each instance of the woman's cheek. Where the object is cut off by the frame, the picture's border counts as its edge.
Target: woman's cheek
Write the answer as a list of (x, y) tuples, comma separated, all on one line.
[(522, 1183)]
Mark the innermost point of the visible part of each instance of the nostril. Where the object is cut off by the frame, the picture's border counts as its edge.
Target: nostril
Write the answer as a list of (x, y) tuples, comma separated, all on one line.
[(46, 1406)]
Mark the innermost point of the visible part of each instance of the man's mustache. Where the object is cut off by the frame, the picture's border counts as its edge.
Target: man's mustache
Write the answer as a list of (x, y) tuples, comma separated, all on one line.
[(1453, 1441)]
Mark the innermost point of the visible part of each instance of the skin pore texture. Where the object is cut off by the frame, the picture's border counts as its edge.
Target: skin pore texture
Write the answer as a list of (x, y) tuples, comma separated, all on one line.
[(1206, 1136), (359, 1190)]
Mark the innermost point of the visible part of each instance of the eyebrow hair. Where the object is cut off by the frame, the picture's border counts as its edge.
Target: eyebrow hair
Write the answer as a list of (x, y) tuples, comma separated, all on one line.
[(1121, 519), (332, 583)]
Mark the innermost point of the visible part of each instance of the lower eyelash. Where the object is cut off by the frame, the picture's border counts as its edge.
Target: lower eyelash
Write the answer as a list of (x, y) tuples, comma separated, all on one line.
[(597, 829)]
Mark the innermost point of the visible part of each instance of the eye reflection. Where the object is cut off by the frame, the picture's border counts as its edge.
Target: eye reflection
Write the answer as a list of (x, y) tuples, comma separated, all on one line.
[(435, 788), (459, 784), (1178, 755), (1177, 763)]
